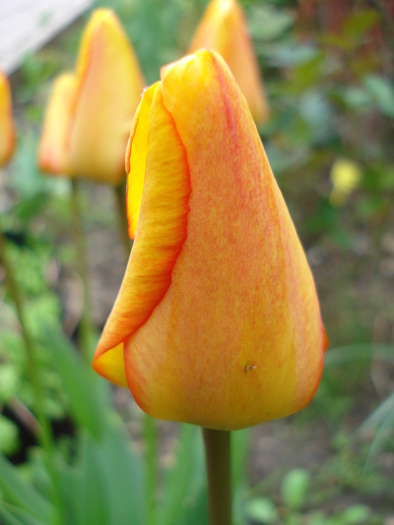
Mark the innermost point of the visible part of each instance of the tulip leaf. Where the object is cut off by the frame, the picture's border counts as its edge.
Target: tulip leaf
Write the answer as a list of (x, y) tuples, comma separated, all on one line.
[(83, 388), (16, 516), (347, 354), (185, 480), (18, 492), (240, 440), (93, 496), (125, 474), (106, 482)]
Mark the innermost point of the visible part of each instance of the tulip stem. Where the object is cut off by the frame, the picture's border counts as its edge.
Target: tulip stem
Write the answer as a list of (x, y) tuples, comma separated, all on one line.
[(44, 430), (123, 222), (218, 461), (85, 322)]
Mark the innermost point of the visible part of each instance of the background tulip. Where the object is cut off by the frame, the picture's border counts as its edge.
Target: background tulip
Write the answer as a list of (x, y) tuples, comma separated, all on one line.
[(7, 130), (89, 116), (217, 321), (223, 29), (53, 155)]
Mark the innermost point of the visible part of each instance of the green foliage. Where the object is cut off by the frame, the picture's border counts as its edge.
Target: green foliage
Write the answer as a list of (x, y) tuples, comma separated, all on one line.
[(295, 488)]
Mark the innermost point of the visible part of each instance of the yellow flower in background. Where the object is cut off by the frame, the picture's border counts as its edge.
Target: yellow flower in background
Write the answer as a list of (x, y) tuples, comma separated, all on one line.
[(217, 322), (7, 128), (345, 176), (54, 147), (223, 29), (89, 116)]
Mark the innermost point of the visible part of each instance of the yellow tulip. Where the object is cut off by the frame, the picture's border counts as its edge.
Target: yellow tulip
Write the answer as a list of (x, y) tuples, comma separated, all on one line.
[(54, 154), (7, 129), (223, 29), (89, 115), (217, 321)]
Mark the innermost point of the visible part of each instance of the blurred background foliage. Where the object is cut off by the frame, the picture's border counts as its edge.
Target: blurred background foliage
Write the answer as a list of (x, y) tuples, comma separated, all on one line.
[(328, 72)]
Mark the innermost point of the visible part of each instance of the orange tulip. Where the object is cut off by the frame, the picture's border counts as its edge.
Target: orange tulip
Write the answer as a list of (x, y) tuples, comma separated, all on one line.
[(90, 114), (7, 129), (53, 154), (217, 321), (223, 29)]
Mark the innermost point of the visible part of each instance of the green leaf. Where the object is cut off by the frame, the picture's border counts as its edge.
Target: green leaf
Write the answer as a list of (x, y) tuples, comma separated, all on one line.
[(360, 22), (295, 487), (355, 514), (261, 510), (123, 470), (83, 387), (347, 354), (9, 439), (266, 23), (185, 478), (240, 441), (31, 206), (382, 91), (18, 492), (96, 497), (16, 516)]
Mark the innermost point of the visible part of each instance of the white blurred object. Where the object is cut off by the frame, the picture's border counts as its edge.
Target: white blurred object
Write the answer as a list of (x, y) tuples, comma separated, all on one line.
[(26, 25)]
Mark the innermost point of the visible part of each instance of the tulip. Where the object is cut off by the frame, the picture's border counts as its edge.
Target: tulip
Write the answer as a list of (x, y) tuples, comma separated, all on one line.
[(223, 29), (90, 114), (7, 129), (217, 321), (53, 154)]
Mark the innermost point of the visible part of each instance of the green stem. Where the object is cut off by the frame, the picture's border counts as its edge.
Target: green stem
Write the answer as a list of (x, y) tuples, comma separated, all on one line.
[(218, 460), (44, 430), (123, 222), (150, 439), (85, 323)]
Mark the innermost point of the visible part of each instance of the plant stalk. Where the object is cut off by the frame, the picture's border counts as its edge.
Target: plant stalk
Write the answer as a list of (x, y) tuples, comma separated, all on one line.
[(85, 323), (218, 461)]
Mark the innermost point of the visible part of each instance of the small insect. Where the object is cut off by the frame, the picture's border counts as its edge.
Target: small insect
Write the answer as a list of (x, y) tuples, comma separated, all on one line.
[(248, 367)]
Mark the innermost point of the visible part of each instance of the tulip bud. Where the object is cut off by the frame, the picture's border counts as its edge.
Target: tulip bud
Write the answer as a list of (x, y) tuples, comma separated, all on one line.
[(217, 321), (53, 154), (95, 110), (223, 29), (7, 129)]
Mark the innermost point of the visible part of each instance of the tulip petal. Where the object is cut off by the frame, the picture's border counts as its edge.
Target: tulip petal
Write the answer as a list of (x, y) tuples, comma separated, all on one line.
[(223, 29), (7, 130), (237, 338), (110, 84), (54, 148), (136, 148), (161, 229)]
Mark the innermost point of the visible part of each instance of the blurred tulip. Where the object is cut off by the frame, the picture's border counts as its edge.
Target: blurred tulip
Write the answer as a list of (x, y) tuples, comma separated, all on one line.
[(223, 29), (53, 154), (89, 116), (7, 129), (217, 321)]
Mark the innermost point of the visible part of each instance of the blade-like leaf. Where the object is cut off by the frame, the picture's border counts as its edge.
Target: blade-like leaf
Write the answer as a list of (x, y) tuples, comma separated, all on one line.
[(240, 440), (18, 492), (180, 479), (125, 477), (16, 516), (83, 387), (346, 354)]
